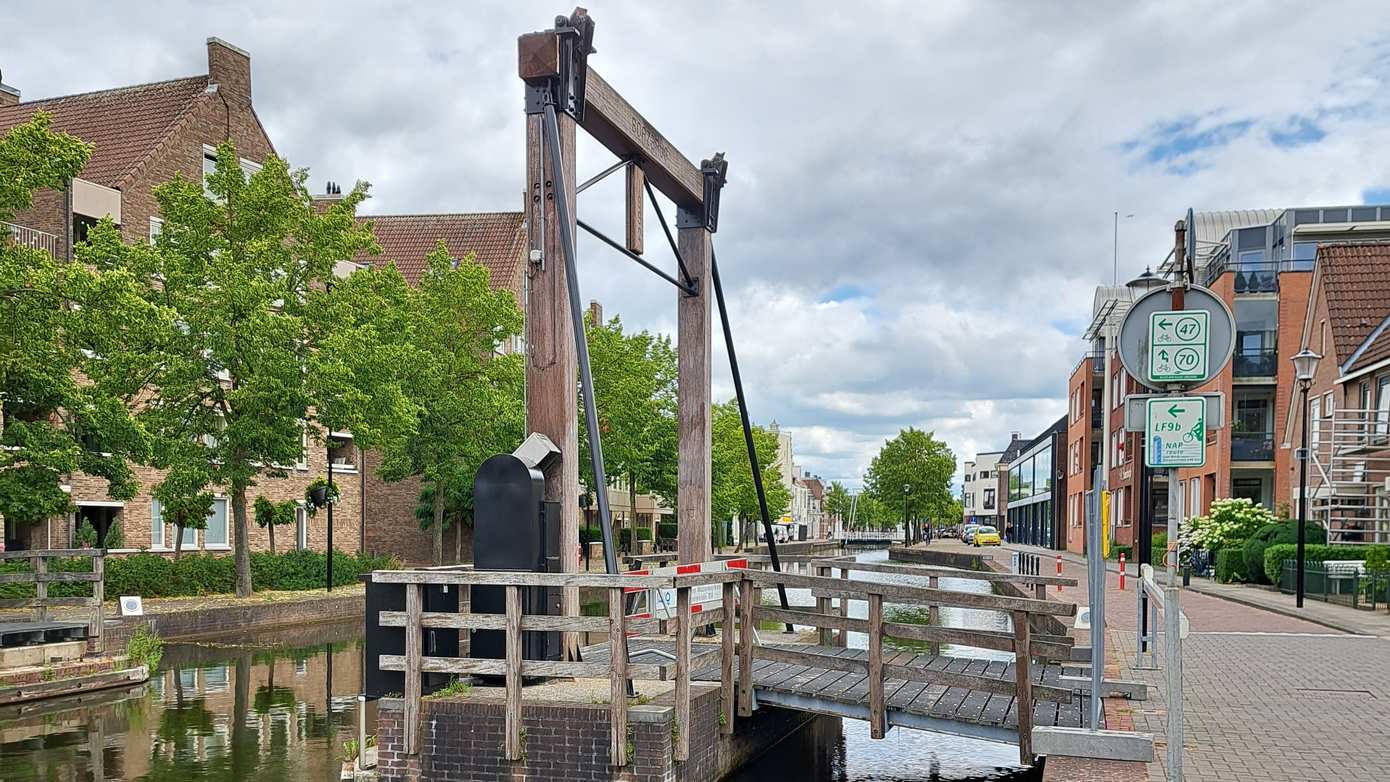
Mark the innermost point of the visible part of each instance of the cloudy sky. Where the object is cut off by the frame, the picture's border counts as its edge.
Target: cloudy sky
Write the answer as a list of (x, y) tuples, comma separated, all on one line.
[(920, 195)]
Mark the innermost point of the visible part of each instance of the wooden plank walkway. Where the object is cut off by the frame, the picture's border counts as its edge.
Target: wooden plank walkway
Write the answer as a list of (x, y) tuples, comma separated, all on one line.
[(954, 710)]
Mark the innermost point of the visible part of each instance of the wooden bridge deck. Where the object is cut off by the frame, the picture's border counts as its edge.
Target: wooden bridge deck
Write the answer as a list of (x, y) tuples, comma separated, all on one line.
[(933, 707)]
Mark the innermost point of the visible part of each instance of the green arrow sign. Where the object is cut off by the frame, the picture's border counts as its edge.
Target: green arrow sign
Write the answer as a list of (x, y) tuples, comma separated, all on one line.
[(1177, 439), (1178, 346)]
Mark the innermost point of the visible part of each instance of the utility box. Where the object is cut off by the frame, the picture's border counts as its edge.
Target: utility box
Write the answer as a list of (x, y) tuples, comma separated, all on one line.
[(514, 529), (434, 641)]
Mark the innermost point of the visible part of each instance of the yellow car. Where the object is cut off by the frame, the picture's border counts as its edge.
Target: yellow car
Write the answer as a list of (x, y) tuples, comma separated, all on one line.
[(987, 536)]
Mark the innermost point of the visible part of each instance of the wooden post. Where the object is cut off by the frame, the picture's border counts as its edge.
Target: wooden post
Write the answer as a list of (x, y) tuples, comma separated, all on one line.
[(40, 611), (934, 616), (413, 650), (682, 750), (1038, 622), (617, 645), (878, 713), (823, 607), (745, 648), (98, 629), (552, 362), (635, 199), (1023, 687), (726, 661), (693, 400), (844, 612), (513, 718)]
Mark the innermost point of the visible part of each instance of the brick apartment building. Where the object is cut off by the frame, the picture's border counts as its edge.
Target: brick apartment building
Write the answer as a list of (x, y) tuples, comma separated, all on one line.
[(142, 135), (1347, 323), (1082, 454), (1262, 265)]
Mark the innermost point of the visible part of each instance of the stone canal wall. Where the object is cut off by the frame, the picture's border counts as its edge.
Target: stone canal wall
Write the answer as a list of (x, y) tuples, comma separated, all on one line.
[(184, 619), (462, 741)]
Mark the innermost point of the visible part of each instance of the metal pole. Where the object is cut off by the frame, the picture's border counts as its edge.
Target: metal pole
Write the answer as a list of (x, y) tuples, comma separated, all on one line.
[(747, 426), (1144, 546), (1095, 572), (907, 525), (329, 451), (586, 376), (1172, 636), (1302, 501)]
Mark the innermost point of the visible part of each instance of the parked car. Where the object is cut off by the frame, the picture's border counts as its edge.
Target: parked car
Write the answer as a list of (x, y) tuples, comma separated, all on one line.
[(967, 533), (986, 536), (780, 533)]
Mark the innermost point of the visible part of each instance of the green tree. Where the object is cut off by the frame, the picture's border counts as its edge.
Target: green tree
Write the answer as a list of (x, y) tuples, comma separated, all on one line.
[(60, 322), (466, 395), (838, 502), (922, 463), (733, 497), (635, 399), (271, 514), (238, 266)]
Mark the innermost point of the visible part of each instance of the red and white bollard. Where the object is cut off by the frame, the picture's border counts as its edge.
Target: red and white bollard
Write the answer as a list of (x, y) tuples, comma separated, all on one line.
[(1122, 571), (1059, 570)]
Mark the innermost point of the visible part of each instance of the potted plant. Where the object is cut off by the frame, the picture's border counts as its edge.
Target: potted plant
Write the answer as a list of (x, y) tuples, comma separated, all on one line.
[(320, 494)]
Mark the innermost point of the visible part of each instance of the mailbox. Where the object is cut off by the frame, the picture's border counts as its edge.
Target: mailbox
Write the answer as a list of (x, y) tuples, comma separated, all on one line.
[(514, 529)]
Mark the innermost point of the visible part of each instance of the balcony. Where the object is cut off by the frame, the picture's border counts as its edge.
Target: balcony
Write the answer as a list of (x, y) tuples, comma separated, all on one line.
[(1252, 446), (1250, 276), (28, 237), (1255, 362)]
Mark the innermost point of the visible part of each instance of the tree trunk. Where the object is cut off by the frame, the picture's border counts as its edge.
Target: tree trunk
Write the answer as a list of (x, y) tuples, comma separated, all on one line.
[(437, 527), (458, 544), (271, 527), (178, 540), (243, 544)]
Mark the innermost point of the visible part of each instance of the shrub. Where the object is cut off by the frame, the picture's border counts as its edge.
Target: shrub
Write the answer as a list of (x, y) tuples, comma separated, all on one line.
[(115, 536), (1160, 545), (152, 575), (1274, 534), (1230, 564), (1276, 554), (1116, 550), (1231, 519), (145, 648), (665, 530), (644, 533), (85, 535), (625, 538)]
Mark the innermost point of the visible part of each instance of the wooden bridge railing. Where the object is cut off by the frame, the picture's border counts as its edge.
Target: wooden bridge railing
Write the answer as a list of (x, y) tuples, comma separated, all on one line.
[(738, 614), (41, 576)]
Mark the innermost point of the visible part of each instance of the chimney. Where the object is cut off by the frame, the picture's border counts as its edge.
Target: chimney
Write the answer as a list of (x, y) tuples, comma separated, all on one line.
[(9, 96), (595, 313), (229, 67)]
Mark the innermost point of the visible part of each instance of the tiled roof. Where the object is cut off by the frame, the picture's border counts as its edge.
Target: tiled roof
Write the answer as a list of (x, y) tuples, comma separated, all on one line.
[(124, 125), (496, 238), (1356, 284)]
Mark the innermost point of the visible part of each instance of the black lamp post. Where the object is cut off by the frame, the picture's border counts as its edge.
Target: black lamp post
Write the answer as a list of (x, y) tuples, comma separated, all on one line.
[(907, 525), (1305, 363)]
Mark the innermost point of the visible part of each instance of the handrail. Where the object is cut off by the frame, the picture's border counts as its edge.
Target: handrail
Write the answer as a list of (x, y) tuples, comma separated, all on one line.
[(40, 577), (848, 564), (738, 612)]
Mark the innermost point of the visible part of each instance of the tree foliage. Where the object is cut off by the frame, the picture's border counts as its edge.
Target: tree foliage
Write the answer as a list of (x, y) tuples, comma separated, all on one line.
[(61, 322), (838, 502), (466, 396), (240, 268), (635, 399), (733, 495), (917, 460)]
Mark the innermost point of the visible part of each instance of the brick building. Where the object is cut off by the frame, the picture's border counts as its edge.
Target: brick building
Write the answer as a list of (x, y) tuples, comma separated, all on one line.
[(1348, 324), (142, 136), (1082, 454)]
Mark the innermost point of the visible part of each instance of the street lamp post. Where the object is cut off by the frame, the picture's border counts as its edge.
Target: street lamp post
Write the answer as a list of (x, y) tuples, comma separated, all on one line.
[(907, 525), (1305, 363)]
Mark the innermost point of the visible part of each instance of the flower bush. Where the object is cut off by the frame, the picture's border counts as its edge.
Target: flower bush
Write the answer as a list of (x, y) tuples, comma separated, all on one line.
[(1231, 520)]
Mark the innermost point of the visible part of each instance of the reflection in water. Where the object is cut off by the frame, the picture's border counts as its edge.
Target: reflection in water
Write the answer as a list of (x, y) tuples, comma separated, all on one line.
[(230, 711)]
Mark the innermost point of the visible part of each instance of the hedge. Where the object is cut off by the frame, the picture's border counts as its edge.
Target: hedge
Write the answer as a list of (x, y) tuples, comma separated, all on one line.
[(153, 575), (1274, 534), (1117, 549), (666, 531), (1159, 545), (1276, 554), (1230, 564)]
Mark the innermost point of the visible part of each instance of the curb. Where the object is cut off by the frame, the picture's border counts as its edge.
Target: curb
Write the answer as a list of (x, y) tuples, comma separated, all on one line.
[(1282, 611)]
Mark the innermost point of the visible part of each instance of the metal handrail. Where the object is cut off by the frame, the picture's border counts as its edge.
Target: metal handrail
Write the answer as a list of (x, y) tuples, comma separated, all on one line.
[(25, 236)]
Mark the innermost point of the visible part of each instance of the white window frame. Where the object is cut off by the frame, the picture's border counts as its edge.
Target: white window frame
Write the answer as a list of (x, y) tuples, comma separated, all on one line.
[(1315, 421), (226, 543), (157, 526), (156, 228), (301, 526)]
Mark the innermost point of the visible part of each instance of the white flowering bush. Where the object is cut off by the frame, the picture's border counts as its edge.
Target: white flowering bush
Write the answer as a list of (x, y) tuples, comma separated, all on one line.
[(1230, 520)]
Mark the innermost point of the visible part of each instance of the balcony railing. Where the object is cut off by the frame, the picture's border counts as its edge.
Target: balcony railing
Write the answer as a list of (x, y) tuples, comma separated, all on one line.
[(29, 237), (1255, 362), (1252, 446)]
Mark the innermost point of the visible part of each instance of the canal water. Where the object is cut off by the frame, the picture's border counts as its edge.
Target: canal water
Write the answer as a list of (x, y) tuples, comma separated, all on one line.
[(277, 708)]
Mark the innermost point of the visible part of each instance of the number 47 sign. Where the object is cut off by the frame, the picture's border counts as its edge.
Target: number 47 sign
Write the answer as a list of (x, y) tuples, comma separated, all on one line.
[(1178, 345)]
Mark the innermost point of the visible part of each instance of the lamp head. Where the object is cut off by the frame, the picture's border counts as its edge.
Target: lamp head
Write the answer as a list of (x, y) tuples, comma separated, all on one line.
[(1305, 365)]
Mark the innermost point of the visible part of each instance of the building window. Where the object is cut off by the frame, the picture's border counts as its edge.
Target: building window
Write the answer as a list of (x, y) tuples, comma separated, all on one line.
[(216, 533), (156, 228), (1194, 500), (301, 527), (342, 452), (156, 525), (989, 499), (1315, 416)]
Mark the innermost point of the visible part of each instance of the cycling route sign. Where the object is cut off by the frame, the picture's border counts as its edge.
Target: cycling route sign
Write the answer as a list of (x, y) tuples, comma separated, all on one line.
[(1175, 431)]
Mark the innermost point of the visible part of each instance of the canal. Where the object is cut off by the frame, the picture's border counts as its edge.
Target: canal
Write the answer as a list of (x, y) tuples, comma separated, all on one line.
[(280, 707)]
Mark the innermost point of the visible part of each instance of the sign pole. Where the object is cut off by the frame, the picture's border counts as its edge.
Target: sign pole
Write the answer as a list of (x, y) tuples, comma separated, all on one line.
[(1095, 572)]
